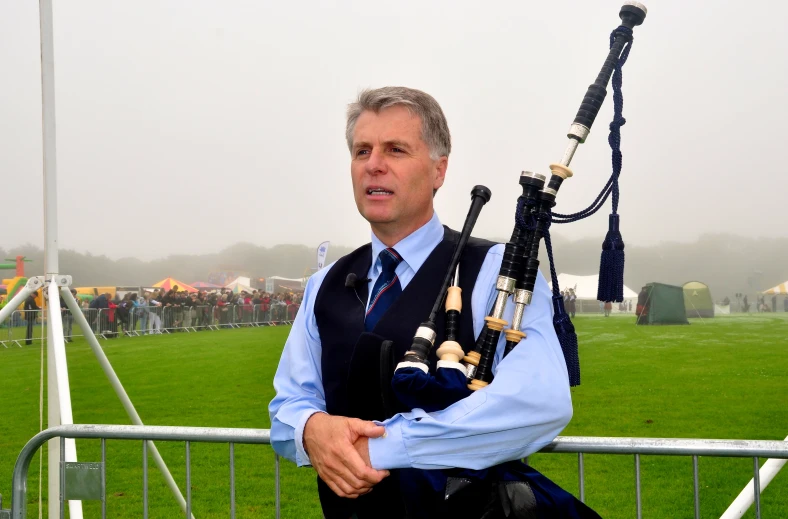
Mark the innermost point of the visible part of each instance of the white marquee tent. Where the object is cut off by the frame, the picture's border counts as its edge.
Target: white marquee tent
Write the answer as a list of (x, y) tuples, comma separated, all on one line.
[(781, 289), (277, 283), (586, 288), (239, 284)]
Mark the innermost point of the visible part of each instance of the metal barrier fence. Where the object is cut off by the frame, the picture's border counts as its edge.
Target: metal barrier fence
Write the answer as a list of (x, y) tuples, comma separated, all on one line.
[(87, 481), (22, 325), (76, 486), (25, 326)]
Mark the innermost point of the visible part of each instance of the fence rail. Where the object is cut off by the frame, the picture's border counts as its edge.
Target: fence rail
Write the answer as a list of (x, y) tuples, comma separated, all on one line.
[(580, 445), (24, 327)]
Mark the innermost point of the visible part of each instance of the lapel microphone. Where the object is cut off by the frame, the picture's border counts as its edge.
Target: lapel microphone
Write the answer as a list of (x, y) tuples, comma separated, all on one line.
[(352, 281)]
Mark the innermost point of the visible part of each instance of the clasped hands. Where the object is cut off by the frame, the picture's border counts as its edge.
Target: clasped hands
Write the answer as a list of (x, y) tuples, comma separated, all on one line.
[(338, 448)]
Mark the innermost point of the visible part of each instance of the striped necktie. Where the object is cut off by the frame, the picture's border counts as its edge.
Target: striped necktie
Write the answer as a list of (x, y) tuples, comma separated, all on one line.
[(386, 290)]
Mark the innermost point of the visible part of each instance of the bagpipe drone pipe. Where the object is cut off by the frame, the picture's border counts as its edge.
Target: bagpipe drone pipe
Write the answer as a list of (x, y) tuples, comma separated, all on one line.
[(512, 489)]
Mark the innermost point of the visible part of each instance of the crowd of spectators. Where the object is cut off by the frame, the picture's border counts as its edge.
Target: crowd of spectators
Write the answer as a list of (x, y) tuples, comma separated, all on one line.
[(153, 311), (176, 309)]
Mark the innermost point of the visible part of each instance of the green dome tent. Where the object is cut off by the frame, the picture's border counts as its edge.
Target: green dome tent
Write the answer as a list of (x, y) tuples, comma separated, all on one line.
[(697, 299), (661, 304)]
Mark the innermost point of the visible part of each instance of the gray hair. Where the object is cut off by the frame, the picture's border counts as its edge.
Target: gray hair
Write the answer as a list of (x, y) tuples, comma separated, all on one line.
[(434, 128)]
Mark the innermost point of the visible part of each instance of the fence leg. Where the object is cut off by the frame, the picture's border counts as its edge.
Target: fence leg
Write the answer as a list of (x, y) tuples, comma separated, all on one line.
[(756, 478), (103, 478), (144, 479), (637, 486), (581, 477), (232, 480), (188, 480), (276, 480), (62, 477), (696, 485)]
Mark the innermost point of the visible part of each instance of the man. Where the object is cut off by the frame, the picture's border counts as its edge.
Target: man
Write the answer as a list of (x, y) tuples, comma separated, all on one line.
[(68, 319), (31, 311), (142, 312), (155, 307), (399, 142), (571, 301), (101, 304)]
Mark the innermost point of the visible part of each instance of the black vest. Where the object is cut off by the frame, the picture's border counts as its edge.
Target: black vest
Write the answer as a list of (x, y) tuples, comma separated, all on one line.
[(357, 366)]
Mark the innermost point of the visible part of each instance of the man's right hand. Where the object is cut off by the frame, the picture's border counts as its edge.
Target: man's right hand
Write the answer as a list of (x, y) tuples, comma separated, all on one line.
[(329, 440)]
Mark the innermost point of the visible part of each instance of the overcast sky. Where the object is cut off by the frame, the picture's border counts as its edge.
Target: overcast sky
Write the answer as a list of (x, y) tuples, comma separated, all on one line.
[(186, 126)]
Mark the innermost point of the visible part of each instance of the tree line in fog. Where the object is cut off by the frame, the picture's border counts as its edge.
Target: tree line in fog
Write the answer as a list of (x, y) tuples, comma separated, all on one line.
[(727, 263)]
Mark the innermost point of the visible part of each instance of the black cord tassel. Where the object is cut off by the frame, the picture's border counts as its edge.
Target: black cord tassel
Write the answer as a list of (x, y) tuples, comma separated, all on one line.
[(564, 329), (611, 265), (567, 337)]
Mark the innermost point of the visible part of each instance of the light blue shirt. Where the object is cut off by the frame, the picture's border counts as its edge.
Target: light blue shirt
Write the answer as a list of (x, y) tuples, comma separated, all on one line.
[(522, 410)]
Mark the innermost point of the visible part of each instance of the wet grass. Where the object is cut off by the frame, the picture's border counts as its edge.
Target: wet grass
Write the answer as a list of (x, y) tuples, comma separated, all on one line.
[(722, 379)]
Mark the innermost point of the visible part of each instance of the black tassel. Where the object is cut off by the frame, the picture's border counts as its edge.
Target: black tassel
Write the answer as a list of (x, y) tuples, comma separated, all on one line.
[(611, 266), (567, 337)]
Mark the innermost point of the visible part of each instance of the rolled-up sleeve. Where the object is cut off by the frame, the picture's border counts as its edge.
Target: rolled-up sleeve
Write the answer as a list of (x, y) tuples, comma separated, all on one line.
[(298, 380), (525, 407)]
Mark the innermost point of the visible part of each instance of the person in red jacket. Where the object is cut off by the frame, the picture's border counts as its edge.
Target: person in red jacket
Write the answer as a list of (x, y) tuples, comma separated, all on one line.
[(265, 307), (247, 307), (113, 326)]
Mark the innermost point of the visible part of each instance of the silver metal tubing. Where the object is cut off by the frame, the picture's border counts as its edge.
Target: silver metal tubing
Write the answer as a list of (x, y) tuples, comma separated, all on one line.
[(637, 487), (696, 485), (754, 449), (276, 484), (756, 480), (188, 480), (144, 479), (517, 317), (522, 296), (123, 432), (505, 283), (500, 304), (571, 148), (669, 446), (470, 371), (103, 478), (232, 480), (62, 477), (581, 473)]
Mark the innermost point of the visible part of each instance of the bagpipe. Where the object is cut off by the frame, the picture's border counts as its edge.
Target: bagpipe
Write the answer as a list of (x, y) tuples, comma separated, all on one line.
[(418, 383)]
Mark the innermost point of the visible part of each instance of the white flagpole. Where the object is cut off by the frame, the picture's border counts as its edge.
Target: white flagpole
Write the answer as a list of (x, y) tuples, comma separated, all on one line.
[(59, 397)]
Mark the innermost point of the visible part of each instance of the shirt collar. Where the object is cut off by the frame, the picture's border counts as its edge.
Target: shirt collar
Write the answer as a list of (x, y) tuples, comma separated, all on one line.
[(415, 247)]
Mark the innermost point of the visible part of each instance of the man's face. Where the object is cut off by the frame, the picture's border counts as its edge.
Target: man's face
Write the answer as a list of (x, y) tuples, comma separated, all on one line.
[(393, 174)]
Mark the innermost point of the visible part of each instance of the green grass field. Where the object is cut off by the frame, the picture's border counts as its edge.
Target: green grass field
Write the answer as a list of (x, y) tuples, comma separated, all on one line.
[(722, 379)]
